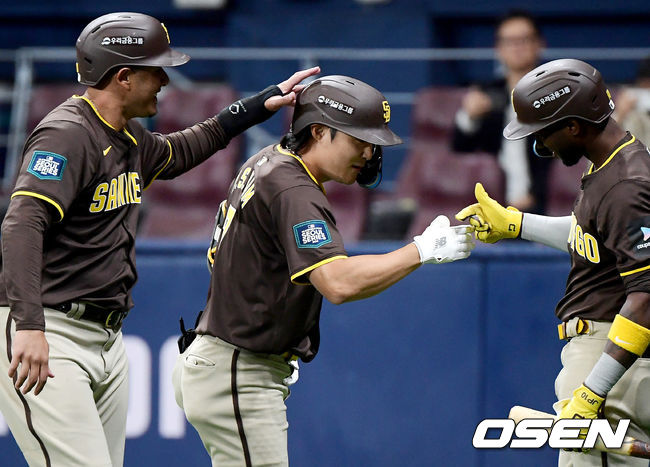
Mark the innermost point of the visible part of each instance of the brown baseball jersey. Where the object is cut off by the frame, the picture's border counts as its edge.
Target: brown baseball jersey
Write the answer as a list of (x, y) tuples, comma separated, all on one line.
[(77, 242), (610, 235), (279, 226)]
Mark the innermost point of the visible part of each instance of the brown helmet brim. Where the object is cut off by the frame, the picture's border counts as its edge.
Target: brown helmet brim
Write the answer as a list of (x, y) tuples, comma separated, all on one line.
[(517, 130), (383, 137), (170, 57)]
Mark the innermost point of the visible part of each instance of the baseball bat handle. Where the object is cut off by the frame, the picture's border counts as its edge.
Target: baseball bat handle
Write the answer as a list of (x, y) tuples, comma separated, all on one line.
[(630, 447), (635, 448)]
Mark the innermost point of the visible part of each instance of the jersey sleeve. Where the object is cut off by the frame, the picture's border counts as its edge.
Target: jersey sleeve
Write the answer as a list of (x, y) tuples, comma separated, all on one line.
[(58, 162), (624, 224), (154, 150), (306, 229), (168, 156)]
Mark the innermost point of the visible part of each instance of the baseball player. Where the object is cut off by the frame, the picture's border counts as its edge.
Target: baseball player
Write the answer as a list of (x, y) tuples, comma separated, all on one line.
[(68, 256), (605, 311), (279, 253)]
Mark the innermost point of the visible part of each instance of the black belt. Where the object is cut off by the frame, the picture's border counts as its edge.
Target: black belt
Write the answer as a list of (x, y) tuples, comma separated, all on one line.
[(110, 319)]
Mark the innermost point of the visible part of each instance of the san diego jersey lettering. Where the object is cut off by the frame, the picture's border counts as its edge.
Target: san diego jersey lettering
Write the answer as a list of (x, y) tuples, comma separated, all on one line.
[(121, 190)]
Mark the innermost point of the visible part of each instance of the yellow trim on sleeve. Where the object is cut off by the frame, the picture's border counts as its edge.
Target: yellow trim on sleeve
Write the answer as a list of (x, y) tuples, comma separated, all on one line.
[(629, 335), (39, 196), (90, 103), (634, 271), (281, 150), (312, 267), (163, 167), (591, 169)]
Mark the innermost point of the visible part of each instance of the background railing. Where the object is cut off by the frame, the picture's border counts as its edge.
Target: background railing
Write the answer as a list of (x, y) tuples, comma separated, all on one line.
[(25, 60)]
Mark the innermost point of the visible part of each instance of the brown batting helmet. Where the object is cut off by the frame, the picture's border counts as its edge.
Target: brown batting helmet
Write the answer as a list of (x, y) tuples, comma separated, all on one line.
[(557, 90), (347, 104), (123, 39)]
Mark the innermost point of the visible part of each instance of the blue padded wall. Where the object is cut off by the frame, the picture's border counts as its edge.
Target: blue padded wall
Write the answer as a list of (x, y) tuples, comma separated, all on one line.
[(402, 378)]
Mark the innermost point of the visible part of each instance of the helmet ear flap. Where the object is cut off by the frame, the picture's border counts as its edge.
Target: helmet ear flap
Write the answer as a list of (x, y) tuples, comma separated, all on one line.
[(370, 175)]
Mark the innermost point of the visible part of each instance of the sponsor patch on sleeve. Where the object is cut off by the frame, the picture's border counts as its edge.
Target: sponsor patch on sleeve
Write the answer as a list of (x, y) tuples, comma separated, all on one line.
[(311, 234), (639, 235), (47, 165)]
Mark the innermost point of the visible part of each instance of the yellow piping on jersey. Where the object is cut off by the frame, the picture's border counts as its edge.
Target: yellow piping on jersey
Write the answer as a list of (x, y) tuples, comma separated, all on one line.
[(163, 167), (634, 271), (102, 118), (311, 268), (591, 169), (44, 198), (281, 150)]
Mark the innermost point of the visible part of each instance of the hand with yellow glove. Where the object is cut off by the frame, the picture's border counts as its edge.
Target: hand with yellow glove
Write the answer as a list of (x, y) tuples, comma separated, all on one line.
[(491, 221), (584, 404)]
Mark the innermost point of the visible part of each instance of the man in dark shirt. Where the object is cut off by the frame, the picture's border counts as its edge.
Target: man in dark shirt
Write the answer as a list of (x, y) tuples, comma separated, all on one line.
[(68, 254), (278, 254), (487, 108), (605, 311)]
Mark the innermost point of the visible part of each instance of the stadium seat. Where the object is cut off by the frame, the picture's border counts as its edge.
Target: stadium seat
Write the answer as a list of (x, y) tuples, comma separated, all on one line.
[(349, 204), (433, 178), (564, 186), (442, 182), (185, 206), (434, 109), (45, 97)]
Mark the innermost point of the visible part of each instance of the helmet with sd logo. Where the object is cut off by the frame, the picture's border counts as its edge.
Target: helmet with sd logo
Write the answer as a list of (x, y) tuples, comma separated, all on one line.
[(557, 90), (347, 104), (123, 39)]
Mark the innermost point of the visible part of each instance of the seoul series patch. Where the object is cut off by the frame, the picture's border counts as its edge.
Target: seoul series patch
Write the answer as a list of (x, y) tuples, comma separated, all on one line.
[(47, 165), (311, 234)]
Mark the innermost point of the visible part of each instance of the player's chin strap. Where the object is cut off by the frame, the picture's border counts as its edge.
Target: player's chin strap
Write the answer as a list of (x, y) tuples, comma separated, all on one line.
[(370, 174)]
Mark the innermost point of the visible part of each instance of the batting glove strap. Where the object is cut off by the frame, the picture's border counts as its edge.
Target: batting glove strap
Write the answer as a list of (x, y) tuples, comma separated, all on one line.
[(584, 404), (245, 113), (440, 243)]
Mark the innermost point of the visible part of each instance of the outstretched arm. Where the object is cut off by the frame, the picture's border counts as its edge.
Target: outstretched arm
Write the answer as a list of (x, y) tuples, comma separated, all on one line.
[(493, 222), (190, 147), (358, 277)]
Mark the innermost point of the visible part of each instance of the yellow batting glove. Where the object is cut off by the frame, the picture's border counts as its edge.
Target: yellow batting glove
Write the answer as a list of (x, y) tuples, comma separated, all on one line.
[(584, 404), (492, 222)]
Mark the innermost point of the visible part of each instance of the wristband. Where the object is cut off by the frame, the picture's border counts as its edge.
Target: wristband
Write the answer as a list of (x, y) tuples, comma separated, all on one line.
[(245, 113), (629, 335), (605, 374)]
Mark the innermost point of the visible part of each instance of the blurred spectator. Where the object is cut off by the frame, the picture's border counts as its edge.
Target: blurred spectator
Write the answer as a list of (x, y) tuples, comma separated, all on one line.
[(633, 104), (486, 109)]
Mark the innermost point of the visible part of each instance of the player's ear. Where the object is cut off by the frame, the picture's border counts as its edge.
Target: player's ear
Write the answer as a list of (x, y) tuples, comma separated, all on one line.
[(575, 127), (122, 77), (317, 131)]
